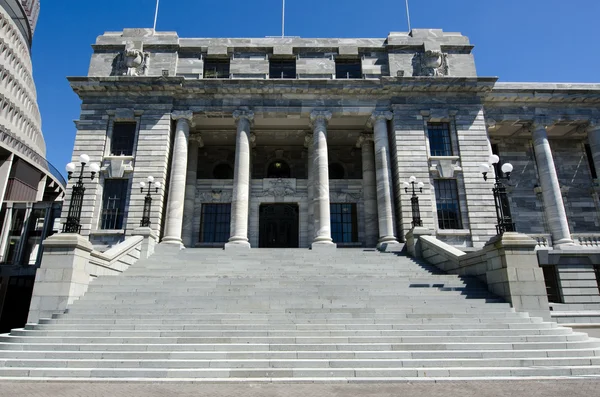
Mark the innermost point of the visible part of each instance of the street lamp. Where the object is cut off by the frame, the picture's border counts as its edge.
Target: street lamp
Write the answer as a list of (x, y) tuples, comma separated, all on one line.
[(414, 200), (73, 225), (503, 215), (145, 222)]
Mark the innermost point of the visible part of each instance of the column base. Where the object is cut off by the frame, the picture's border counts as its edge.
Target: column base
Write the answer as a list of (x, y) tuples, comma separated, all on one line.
[(237, 245), (390, 246), (173, 241), (565, 242), (323, 245)]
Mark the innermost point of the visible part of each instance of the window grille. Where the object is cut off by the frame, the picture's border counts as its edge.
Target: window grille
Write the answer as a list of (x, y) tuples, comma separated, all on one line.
[(113, 203), (348, 69), (282, 69), (439, 139), (216, 69), (215, 224), (123, 139), (448, 208), (343, 223)]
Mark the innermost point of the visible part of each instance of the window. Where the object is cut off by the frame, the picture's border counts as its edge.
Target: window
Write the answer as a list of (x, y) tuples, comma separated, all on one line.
[(343, 223), (336, 171), (552, 288), (223, 171), (282, 69), (216, 219), (348, 69), (216, 69), (448, 210), (439, 139), (597, 270), (590, 159), (113, 203), (278, 169), (123, 138)]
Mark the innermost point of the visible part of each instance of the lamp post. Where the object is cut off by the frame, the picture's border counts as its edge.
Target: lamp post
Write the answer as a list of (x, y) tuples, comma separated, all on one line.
[(73, 225), (414, 200), (145, 222), (503, 215)]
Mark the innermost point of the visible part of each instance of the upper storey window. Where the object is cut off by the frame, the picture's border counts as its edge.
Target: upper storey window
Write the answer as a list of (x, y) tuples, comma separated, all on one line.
[(279, 169), (348, 69), (439, 139), (123, 139), (216, 69), (282, 69)]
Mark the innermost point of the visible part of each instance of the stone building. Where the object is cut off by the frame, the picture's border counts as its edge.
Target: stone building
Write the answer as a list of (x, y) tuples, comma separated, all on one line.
[(29, 186), (291, 142)]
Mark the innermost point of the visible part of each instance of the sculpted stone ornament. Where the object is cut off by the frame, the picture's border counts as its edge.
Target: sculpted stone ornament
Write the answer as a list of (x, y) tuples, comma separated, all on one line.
[(133, 61), (430, 63), (278, 187)]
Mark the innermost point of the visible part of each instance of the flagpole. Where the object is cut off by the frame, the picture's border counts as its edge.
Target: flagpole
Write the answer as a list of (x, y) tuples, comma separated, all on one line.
[(408, 16), (283, 20), (156, 14)]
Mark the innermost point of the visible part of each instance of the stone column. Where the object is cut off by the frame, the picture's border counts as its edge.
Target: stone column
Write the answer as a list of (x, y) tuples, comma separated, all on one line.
[(553, 202), (241, 181), (308, 143), (365, 142), (594, 141), (175, 204), (322, 222), (195, 141), (385, 215)]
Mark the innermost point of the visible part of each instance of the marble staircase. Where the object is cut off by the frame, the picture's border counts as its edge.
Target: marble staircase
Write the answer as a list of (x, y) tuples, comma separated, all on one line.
[(291, 315)]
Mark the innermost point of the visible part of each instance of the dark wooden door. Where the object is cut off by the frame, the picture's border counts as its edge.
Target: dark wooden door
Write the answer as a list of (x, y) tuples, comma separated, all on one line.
[(278, 224)]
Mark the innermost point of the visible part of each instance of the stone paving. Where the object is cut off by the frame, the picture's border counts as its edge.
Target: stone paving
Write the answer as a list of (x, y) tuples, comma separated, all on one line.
[(545, 388)]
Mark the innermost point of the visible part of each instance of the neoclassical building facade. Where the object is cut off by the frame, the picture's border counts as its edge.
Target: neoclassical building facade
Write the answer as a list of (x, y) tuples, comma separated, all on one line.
[(290, 142)]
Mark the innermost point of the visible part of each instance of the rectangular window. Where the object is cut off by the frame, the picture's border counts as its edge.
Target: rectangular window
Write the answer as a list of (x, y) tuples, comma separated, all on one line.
[(113, 203), (282, 69), (216, 68), (343, 223), (448, 208), (123, 139), (597, 270), (551, 280), (590, 159), (348, 69), (439, 139), (215, 223)]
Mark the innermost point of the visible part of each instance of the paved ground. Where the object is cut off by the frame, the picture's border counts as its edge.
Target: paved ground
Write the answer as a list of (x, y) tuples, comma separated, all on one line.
[(512, 388)]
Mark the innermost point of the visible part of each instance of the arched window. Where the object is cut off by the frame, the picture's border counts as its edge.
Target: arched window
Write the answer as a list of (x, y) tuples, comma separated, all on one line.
[(223, 171), (336, 171), (278, 169)]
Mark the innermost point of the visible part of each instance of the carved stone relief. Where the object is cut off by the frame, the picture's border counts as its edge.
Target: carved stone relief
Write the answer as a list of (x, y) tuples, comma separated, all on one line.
[(215, 196), (431, 63), (346, 197), (133, 61), (278, 187)]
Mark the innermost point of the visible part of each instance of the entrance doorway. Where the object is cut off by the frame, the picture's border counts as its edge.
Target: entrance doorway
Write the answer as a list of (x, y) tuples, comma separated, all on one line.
[(278, 226)]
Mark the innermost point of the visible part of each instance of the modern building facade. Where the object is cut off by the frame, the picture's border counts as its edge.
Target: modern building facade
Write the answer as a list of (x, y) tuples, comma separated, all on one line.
[(30, 188), (291, 142)]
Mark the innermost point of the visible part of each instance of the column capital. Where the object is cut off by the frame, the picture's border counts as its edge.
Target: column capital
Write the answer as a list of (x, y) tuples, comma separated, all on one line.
[(380, 115), (243, 114), (182, 115), (364, 138), (320, 116), (593, 125)]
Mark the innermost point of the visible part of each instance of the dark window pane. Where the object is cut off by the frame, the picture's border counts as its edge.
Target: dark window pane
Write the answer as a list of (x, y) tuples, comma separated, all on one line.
[(336, 171), (448, 209), (590, 158), (348, 69), (215, 223), (223, 171), (552, 288), (216, 69), (343, 223), (113, 203), (278, 169), (282, 69), (123, 139), (439, 139)]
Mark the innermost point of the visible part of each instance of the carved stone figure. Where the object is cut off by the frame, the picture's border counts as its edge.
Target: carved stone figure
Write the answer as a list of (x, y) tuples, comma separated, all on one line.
[(430, 64), (131, 62)]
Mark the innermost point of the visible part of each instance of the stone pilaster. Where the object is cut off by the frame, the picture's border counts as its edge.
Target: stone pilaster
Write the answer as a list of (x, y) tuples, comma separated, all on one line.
[(241, 181), (195, 141), (175, 204), (322, 223), (594, 141), (385, 214), (553, 201), (365, 143)]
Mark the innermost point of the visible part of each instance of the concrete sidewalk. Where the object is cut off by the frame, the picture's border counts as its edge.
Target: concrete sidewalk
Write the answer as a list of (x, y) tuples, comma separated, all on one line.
[(512, 388)]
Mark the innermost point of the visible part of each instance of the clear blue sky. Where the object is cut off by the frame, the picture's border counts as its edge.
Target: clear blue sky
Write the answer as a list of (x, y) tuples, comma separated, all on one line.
[(516, 40)]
